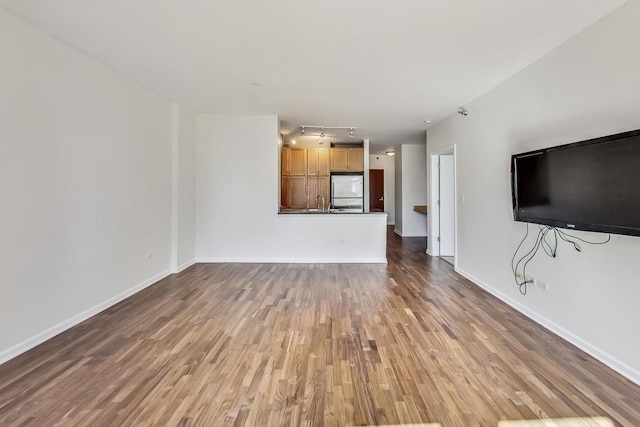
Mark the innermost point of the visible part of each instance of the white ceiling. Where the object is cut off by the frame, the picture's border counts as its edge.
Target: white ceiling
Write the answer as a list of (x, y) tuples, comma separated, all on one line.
[(384, 66)]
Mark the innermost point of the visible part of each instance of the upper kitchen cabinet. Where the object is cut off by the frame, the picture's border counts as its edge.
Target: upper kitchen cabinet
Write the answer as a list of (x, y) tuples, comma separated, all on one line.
[(339, 159), (318, 161), (285, 161), (297, 161), (294, 161), (347, 159), (355, 159)]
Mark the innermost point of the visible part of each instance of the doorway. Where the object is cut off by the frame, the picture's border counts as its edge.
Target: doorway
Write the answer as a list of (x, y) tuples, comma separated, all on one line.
[(443, 200), (376, 190)]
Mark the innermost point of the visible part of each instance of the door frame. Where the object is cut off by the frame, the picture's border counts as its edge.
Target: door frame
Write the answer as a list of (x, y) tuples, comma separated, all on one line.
[(433, 247)]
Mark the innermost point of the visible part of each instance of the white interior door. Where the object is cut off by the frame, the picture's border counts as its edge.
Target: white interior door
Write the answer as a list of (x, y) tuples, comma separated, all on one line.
[(447, 205)]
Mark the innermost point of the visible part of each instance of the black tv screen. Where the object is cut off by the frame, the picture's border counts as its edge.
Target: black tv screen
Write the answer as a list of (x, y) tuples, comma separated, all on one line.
[(591, 185)]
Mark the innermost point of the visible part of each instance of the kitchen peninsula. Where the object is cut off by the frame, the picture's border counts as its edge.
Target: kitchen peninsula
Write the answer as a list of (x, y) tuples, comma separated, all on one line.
[(329, 228), (336, 237)]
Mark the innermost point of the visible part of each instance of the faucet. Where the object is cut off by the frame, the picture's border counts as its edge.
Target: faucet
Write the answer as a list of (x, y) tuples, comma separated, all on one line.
[(317, 197)]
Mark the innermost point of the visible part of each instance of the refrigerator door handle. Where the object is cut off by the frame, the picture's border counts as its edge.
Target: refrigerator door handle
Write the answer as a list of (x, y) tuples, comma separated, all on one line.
[(333, 187)]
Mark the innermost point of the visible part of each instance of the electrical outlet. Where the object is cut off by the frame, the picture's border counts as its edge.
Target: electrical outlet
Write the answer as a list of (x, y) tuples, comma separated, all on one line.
[(542, 285)]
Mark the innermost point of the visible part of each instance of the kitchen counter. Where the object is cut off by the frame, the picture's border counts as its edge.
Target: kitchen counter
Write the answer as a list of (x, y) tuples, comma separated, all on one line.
[(420, 208), (320, 213), (314, 237)]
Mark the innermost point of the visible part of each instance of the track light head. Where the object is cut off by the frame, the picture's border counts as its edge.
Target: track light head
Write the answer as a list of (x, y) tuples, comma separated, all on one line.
[(351, 132)]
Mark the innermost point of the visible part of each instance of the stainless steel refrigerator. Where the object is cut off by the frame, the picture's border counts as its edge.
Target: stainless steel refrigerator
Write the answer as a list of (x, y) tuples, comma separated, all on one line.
[(347, 192)]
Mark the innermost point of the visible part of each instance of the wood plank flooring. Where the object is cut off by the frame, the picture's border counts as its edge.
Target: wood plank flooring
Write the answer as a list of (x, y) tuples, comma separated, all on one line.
[(314, 345)]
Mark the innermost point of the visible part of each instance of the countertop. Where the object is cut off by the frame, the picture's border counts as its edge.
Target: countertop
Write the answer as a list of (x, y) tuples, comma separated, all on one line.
[(318, 213), (420, 208)]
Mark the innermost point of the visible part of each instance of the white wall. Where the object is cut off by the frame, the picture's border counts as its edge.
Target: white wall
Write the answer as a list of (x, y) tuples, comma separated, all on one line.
[(186, 187), (237, 205), (413, 186), (85, 179), (387, 163), (586, 88), (365, 188), (398, 191)]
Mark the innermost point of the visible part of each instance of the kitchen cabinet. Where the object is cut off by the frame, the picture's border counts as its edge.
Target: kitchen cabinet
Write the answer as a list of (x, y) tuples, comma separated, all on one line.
[(284, 192), (318, 161), (305, 175), (297, 192), (317, 186), (339, 159), (285, 161), (355, 159), (323, 162), (347, 159), (297, 161)]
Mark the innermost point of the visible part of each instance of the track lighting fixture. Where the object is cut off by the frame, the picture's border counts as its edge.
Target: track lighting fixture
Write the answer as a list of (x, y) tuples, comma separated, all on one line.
[(324, 129)]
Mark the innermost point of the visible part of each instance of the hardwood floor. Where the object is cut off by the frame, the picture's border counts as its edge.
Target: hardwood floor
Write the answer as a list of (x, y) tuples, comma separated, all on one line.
[(313, 345)]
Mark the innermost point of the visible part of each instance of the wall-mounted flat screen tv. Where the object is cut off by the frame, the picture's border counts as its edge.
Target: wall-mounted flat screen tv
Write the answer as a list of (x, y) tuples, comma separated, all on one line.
[(591, 185)]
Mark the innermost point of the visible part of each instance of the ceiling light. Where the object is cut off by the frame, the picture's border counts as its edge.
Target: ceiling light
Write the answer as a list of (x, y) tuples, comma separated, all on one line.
[(391, 153), (351, 132), (428, 121)]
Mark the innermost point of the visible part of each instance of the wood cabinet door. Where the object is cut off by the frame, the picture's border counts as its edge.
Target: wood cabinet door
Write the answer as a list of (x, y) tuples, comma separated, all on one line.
[(355, 159), (285, 162), (323, 161), (284, 192), (318, 186), (313, 192), (297, 161), (339, 159), (323, 190), (312, 161), (297, 191)]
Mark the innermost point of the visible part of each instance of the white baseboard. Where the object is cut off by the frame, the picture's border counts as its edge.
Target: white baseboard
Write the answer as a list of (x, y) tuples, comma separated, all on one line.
[(622, 368), (184, 266), (218, 260), (408, 235), (428, 252), (51, 332)]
